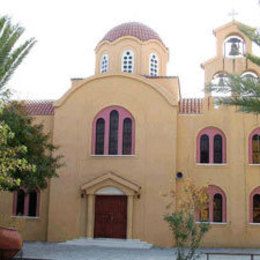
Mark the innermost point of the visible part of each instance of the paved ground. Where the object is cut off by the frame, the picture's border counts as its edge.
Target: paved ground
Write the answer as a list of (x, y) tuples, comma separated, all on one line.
[(67, 252)]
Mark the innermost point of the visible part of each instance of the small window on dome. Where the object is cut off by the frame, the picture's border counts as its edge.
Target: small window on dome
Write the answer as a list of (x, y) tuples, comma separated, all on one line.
[(104, 63), (127, 62), (234, 47), (153, 65)]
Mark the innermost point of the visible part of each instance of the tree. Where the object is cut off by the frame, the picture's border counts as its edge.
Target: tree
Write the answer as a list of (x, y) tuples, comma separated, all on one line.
[(245, 91), (186, 200), (11, 55), (39, 148), (11, 52), (11, 159)]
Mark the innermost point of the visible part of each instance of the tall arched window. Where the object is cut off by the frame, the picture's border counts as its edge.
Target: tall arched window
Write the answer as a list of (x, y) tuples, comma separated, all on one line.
[(254, 147), (100, 136), (254, 206), (104, 63), (113, 132), (204, 149), (127, 62), (218, 148), (216, 210), (32, 208), (127, 136), (211, 146), (20, 203), (153, 65), (26, 203)]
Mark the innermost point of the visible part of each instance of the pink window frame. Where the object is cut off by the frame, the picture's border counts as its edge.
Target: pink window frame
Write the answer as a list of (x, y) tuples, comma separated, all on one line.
[(211, 132), (26, 203), (252, 194), (212, 191), (105, 114), (256, 131)]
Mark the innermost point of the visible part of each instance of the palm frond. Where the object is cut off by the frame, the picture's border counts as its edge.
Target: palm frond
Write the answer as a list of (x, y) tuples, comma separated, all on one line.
[(243, 104), (11, 52)]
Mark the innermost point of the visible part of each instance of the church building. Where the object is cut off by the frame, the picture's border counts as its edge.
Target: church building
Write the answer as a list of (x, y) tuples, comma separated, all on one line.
[(128, 136)]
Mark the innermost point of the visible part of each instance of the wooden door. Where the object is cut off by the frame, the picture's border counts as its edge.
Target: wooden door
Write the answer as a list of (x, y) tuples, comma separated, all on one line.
[(110, 216)]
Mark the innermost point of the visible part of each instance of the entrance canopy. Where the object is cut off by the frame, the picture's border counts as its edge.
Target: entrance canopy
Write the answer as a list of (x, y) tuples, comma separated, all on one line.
[(110, 180)]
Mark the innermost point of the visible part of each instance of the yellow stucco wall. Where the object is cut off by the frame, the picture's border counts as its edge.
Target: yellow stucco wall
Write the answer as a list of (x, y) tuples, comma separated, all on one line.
[(165, 143), (142, 51), (236, 177), (150, 167)]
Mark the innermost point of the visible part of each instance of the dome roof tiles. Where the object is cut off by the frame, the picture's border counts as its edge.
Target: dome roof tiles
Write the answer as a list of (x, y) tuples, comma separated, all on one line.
[(134, 29)]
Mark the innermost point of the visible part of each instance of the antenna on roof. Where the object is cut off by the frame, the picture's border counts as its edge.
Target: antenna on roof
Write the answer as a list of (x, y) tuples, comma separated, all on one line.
[(233, 13)]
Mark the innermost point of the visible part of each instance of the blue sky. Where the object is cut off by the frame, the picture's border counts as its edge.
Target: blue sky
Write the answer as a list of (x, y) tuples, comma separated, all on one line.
[(68, 31)]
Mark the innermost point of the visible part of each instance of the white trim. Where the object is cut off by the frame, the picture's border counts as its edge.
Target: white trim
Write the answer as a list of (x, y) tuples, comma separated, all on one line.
[(109, 191), (212, 223), (26, 217), (212, 164), (113, 155)]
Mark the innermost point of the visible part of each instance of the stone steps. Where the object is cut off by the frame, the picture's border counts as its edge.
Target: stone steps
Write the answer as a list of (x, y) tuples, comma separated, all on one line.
[(109, 242)]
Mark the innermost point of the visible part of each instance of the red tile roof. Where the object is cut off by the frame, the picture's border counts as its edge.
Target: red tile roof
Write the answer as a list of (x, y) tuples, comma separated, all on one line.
[(190, 106), (39, 107), (138, 30)]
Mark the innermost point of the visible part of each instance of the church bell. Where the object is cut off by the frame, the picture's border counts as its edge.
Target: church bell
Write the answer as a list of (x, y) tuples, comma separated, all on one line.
[(234, 49)]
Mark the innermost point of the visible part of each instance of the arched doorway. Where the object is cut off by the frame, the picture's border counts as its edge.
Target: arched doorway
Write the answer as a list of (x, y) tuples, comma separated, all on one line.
[(110, 213), (110, 204)]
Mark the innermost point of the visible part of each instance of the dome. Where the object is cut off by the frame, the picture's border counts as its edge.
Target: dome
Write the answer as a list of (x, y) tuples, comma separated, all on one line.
[(138, 30)]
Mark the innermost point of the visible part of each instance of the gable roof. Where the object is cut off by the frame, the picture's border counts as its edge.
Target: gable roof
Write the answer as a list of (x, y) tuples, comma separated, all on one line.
[(39, 107)]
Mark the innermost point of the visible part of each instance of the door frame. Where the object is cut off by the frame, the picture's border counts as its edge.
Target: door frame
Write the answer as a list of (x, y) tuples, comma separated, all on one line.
[(110, 180), (112, 196)]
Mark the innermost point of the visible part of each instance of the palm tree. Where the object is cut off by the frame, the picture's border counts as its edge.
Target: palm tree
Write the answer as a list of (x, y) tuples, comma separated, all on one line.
[(12, 52), (245, 91)]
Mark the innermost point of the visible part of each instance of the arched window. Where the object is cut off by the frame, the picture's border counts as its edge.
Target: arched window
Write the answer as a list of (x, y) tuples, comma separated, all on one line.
[(127, 136), (234, 47), (26, 203), (249, 75), (220, 81), (254, 206), (32, 208), (100, 136), (20, 203), (127, 62), (113, 132), (216, 210), (254, 147), (204, 149), (218, 148), (211, 146), (153, 65), (104, 63)]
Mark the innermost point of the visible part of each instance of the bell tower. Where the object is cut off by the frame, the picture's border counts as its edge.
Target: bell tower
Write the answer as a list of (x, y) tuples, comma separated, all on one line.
[(231, 47)]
